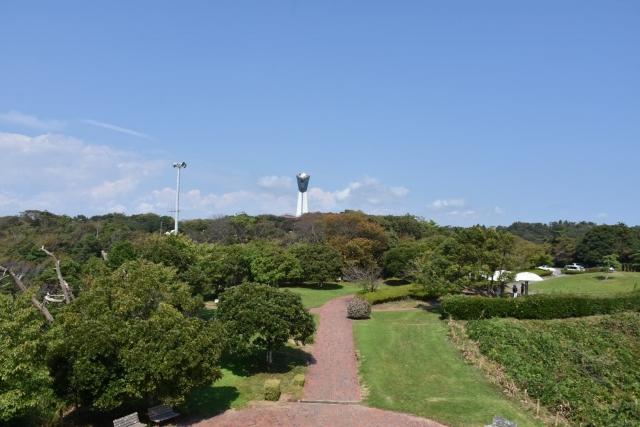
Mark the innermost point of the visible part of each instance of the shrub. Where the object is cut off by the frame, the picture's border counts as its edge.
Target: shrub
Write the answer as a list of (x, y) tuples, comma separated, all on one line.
[(358, 309), (552, 306), (541, 273), (399, 293), (272, 390), (584, 368), (298, 380)]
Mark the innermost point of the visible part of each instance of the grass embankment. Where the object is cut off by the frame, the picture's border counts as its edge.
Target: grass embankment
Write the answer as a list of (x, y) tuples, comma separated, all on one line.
[(586, 369), (409, 365), (243, 381), (589, 283)]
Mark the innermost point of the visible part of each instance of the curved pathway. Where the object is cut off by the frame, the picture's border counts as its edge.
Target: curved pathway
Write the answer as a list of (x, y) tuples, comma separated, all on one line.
[(331, 390)]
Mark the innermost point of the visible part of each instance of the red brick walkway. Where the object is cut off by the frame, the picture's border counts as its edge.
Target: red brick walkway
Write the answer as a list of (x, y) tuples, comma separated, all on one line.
[(333, 377), (315, 415), (334, 374)]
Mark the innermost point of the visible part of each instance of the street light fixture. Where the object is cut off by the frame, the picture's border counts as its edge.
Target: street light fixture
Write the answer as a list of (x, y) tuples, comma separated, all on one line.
[(178, 166)]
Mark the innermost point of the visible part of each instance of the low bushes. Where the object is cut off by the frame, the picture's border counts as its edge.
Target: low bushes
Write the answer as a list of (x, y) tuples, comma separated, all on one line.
[(272, 390), (585, 369), (398, 293), (540, 272), (552, 306), (358, 309), (299, 380)]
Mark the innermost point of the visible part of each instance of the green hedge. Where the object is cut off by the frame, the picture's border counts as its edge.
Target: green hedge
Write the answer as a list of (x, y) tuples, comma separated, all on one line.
[(551, 306), (397, 293)]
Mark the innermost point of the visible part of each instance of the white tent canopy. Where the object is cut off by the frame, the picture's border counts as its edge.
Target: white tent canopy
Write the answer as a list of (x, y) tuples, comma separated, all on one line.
[(528, 277)]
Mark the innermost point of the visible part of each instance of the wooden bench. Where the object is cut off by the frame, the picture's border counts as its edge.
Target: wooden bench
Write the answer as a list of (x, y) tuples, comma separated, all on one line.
[(130, 420), (161, 413)]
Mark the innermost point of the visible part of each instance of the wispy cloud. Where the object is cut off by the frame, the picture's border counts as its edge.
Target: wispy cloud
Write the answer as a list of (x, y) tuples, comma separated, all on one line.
[(116, 128), (30, 121), (447, 204)]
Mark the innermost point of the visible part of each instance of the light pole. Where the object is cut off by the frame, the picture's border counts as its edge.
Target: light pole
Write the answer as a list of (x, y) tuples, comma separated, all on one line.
[(179, 166)]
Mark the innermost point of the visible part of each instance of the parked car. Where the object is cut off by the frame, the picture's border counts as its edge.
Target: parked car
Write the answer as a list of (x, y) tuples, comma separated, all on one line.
[(546, 268), (574, 268)]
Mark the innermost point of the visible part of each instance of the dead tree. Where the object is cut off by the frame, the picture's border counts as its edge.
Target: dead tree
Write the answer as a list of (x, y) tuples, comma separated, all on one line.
[(20, 284), (66, 289)]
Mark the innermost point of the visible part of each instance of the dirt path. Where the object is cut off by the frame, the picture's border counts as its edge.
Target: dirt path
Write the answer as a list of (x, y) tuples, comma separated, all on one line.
[(333, 376)]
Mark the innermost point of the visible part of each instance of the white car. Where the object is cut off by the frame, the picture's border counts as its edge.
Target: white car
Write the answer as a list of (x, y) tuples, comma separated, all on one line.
[(574, 267), (546, 268)]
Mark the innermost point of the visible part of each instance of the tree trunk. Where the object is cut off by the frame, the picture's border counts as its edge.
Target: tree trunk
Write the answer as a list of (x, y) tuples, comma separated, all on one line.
[(37, 304), (269, 356), (66, 289)]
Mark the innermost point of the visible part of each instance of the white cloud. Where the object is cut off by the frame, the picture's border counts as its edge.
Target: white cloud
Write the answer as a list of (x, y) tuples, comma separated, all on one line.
[(276, 182), (21, 119), (66, 175), (368, 194), (63, 174), (117, 128), (447, 204), (498, 210)]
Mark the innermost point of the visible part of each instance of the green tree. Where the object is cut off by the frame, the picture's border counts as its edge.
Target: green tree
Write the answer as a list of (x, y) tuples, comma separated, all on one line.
[(121, 252), (263, 317), (133, 337), (273, 266), (399, 261), (26, 392), (218, 267), (319, 262)]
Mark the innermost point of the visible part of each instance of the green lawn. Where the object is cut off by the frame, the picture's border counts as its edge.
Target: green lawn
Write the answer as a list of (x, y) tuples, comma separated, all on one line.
[(316, 296), (589, 283), (243, 381), (409, 365)]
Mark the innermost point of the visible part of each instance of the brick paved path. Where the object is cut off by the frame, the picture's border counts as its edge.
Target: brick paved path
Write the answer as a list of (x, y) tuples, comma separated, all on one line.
[(315, 415), (334, 375)]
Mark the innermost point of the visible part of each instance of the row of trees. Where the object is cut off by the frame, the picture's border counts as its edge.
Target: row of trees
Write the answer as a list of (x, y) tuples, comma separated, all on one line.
[(132, 337)]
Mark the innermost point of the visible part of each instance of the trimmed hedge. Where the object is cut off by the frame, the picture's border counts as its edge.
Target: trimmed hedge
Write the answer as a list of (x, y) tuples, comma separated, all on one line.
[(272, 390), (397, 293), (543, 307)]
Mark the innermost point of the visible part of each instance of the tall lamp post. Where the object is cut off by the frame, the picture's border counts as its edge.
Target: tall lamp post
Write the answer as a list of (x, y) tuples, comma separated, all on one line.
[(178, 166)]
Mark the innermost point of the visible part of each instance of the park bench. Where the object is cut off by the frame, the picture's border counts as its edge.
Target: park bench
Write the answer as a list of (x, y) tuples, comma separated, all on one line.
[(161, 413), (130, 420)]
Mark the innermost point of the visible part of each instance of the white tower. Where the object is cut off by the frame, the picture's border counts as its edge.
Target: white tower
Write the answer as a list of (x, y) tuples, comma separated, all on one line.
[(179, 166), (303, 185)]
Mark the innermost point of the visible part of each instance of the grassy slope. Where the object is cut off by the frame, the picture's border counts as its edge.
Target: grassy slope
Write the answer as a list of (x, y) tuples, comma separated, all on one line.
[(589, 283), (589, 362), (409, 365)]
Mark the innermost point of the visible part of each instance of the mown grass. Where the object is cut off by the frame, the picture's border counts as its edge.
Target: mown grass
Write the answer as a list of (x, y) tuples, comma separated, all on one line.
[(586, 369), (589, 283), (314, 295), (408, 364), (243, 381)]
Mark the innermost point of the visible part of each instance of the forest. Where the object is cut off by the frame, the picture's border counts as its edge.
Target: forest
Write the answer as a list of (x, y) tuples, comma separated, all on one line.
[(104, 313)]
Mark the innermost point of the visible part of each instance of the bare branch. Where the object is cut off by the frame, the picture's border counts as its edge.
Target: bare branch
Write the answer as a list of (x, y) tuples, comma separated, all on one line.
[(20, 284), (66, 289)]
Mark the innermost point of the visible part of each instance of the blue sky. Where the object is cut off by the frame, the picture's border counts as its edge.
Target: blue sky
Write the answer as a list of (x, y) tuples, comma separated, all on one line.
[(461, 111)]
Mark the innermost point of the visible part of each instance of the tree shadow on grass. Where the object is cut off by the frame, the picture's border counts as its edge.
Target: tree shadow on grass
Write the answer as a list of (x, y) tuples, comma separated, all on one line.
[(210, 401), (284, 360), (315, 286)]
